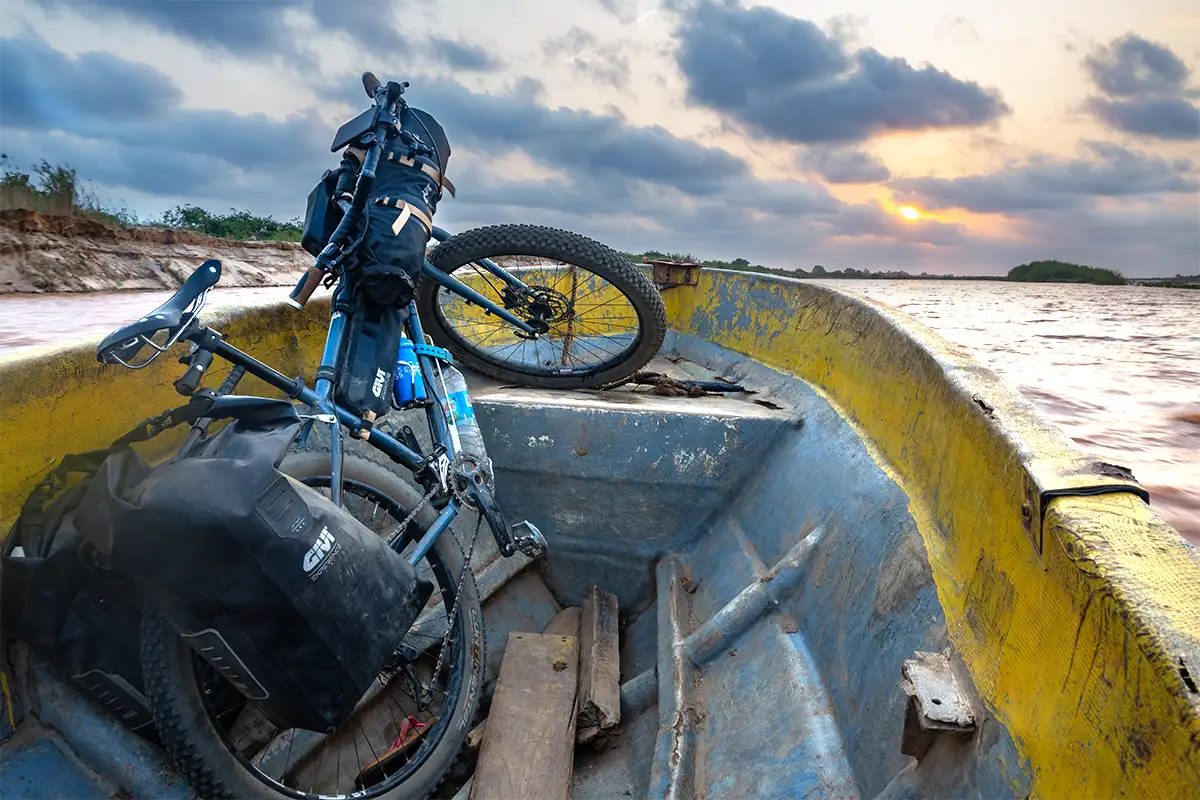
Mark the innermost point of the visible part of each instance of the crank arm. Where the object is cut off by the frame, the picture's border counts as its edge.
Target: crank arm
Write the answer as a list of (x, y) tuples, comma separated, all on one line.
[(531, 543)]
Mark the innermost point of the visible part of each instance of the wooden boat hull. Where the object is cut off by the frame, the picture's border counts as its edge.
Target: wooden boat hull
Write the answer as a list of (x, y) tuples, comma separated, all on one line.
[(776, 565)]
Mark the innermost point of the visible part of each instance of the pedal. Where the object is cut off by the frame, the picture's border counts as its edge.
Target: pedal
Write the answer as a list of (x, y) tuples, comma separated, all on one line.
[(532, 544)]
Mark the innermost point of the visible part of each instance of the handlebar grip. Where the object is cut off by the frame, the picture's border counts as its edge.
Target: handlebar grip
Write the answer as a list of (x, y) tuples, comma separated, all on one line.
[(190, 381), (231, 380), (370, 83), (308, 284)]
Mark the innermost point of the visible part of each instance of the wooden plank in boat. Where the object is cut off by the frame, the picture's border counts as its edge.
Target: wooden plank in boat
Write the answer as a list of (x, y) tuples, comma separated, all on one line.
[(529, 744), (565, 622), (599, 666)]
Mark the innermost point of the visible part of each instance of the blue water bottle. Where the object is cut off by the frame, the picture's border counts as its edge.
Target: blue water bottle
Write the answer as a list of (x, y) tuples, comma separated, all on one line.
[(409, 385)]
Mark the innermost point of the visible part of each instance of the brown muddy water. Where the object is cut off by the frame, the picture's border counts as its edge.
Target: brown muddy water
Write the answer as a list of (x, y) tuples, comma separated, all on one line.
[(1117, 368)]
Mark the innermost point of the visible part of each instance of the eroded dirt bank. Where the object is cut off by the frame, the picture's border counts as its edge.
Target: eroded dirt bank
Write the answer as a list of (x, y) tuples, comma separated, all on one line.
[(47, 253)]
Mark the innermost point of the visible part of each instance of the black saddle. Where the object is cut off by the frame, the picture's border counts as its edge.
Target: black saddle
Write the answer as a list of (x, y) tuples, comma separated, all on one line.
[(124, 343)]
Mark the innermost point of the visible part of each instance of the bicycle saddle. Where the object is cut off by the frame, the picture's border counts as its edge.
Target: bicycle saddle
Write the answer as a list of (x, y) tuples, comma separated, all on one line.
[(124, 343)]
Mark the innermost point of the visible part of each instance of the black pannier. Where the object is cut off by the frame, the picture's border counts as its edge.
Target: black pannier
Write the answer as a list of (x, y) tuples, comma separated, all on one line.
[(59, 594), (292, 599)]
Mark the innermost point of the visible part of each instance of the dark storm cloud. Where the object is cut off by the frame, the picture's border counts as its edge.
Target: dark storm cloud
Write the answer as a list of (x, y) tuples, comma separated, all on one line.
[(574, 141), (1159, 117), (249, 28), (40, 87), (1133, 67), (244, 28), (463, 55), (784, 78), (1052, 183), (371, 25), (844, 165), (120, 122), (1144, 88)]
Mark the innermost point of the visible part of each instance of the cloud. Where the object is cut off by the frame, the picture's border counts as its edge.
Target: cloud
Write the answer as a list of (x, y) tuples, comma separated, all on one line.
[(254, 29), (1041, 183), (251, 28), (1144, 90), (604, 64), (1158, 117), (576, 141), (783, 78), (463, 55), (121, 123), (1131, 66), (844, 165), (40, 87)]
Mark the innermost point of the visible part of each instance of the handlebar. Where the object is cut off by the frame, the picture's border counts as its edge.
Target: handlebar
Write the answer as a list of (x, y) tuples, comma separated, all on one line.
[(387, 124), (370, 83)]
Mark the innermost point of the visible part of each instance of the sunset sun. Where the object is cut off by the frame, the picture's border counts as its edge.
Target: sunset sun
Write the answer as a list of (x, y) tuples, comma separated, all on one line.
[(908, 212)]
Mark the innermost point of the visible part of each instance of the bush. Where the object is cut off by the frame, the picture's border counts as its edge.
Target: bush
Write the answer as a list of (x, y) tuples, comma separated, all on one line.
[(1063, 272), (240, 225)]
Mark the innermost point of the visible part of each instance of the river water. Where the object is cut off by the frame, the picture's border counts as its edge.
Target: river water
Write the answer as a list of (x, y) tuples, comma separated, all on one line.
[(1117, 368)]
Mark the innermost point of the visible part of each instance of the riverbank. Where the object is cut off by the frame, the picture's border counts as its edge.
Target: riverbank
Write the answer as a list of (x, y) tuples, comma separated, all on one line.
[(50, 253)]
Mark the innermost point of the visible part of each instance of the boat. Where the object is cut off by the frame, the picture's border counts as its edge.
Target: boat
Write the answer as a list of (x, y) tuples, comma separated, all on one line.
[(871, 570)]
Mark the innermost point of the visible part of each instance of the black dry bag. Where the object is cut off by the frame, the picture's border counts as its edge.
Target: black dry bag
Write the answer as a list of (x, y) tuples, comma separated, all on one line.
[(59, 594), (368, 365), (321, 216), (297, 603), (408, 184)]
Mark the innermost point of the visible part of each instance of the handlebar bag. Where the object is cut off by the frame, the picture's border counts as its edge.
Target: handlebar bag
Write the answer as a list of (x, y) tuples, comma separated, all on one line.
[(404, 197), (294, 601)]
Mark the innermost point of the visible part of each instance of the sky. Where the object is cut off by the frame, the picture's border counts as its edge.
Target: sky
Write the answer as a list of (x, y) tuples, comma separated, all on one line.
[(931, 136)]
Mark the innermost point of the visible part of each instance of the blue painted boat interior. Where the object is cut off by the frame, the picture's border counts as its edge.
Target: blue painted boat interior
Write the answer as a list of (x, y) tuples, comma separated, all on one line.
[(771, 583)]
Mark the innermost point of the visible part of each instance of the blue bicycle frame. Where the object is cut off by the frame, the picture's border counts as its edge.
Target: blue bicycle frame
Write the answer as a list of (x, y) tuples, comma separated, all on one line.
[(321, 398), (458, 287)]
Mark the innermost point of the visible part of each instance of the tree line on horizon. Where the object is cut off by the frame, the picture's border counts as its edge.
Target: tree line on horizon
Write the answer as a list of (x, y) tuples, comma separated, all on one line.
[(1050, 271), (57, 189)]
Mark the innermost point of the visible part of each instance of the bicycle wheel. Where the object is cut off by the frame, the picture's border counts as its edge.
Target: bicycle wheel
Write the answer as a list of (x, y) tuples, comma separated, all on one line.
[(600, 319), (227, 747)]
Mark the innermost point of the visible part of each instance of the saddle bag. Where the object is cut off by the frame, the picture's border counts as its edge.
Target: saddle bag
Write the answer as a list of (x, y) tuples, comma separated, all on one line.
[(294, 601)]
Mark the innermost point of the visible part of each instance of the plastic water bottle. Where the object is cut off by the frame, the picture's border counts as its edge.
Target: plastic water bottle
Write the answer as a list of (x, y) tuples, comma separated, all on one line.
[(409, 384), (459, 409)]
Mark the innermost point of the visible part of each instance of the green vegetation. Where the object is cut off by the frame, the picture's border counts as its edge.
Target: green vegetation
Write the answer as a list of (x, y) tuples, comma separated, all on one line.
[(52, 189), (737, 263), (240, 225), (1062, 272)]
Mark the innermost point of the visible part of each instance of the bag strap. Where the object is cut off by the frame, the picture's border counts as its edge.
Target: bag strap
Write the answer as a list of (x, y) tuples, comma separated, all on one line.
[(31, 519)]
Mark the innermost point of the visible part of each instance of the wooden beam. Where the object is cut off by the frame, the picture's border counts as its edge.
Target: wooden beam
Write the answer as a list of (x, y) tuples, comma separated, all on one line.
[(565, 622), (599, 666), (528, 746)]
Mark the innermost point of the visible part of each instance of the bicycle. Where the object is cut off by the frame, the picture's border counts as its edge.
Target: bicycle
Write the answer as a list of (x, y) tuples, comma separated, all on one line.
[(209, 729)]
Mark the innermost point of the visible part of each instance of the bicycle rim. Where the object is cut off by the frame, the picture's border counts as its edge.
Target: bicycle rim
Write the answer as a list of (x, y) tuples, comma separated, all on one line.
[(303, 764), (590, 324)]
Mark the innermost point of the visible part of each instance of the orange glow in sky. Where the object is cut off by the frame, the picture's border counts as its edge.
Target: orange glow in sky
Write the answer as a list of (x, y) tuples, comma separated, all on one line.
[(908, 212)]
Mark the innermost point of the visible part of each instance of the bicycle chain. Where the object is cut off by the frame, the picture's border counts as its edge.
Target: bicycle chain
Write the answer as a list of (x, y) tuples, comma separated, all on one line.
[(427, 693), (412, 515)]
